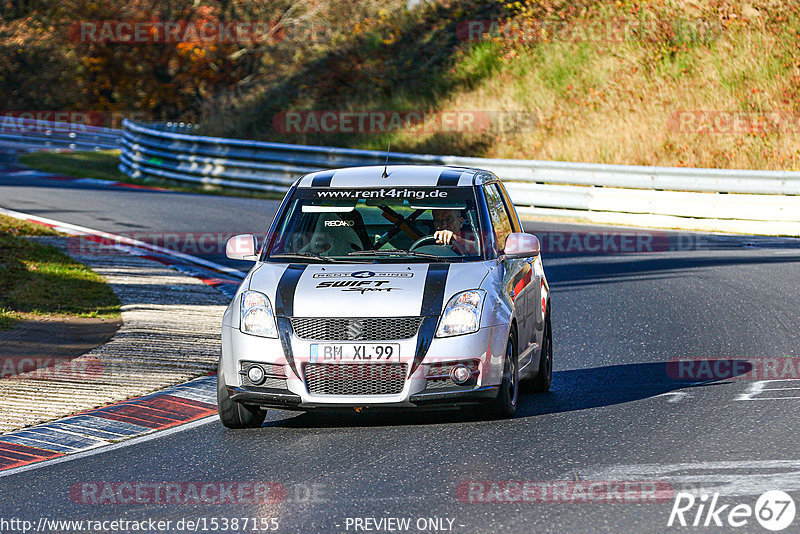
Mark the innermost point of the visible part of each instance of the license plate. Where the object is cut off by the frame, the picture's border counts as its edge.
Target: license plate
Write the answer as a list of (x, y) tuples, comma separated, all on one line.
[(355, 352)]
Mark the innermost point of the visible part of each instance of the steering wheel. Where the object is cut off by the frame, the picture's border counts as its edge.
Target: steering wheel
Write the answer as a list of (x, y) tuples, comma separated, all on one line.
[(424, 239)]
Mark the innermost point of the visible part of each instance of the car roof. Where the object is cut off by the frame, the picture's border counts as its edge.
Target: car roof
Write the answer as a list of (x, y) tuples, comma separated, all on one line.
[(398, 176)]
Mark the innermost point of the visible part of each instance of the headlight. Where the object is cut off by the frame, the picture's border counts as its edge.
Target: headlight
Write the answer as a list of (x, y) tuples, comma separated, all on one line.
[(257, 316), (462, 315)]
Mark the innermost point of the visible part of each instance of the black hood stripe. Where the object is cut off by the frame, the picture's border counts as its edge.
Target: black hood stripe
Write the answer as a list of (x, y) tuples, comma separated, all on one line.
[(449, 177), (433, 294), (322, 179), (284, 296)]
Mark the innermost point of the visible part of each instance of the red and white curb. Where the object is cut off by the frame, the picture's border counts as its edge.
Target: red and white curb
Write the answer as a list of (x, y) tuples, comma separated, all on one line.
[(171, 407), (130, 420)]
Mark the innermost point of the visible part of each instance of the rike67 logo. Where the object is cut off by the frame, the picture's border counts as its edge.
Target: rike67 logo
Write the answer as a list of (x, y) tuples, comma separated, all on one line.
[(773, 510)]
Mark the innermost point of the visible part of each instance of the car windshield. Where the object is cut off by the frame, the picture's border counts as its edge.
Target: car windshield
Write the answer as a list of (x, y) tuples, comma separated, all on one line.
[(386, 224)]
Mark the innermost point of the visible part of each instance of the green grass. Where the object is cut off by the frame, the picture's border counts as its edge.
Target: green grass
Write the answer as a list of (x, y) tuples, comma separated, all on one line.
[(102, 164), (11, 227), (481, 60), (7, 319), (38, 280)]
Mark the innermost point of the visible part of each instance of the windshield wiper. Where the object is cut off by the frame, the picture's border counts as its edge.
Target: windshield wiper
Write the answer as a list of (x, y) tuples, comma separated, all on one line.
[(394, 253), (305, 255)]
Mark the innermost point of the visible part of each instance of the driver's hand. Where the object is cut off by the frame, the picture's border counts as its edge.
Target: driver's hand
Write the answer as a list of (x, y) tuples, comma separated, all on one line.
[(444, 236)]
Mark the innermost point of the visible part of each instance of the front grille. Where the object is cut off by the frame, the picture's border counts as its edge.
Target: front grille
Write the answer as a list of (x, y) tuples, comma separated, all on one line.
[(354, 329), (355, 379)]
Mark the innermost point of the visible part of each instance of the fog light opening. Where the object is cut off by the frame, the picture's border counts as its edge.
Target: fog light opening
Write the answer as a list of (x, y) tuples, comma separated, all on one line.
[(256, 374), (460, 374)]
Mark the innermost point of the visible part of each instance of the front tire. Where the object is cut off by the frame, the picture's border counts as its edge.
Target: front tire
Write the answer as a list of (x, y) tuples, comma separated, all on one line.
[(234, 414), (505, 405)]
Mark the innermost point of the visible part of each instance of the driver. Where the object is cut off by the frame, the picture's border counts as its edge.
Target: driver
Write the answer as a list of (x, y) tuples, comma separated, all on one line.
[(448, 224)]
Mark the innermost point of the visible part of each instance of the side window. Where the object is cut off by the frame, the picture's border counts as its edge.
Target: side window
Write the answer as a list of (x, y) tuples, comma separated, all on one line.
[(512, 211), (497, 212)]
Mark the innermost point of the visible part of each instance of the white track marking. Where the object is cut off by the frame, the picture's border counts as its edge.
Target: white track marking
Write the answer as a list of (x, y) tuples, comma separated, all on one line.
[(100, 450), (730, 478), (82, 230), (774, 398), (675, 396), (752, 390), (758, 388)]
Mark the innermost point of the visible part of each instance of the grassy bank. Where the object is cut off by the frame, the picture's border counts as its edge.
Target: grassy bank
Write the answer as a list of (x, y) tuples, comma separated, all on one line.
[(38, 280), (709, 83), (100, 164)]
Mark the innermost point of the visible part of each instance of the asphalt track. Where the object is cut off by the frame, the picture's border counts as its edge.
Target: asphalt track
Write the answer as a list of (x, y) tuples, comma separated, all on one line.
[(616, 412)]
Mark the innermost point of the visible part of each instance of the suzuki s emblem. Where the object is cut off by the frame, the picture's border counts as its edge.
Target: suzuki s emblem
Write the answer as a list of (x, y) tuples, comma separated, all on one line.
[(355, 330)]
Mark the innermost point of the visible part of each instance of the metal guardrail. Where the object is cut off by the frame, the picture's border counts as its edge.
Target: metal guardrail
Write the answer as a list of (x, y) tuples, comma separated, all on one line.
[(764, 202), (31, 134)]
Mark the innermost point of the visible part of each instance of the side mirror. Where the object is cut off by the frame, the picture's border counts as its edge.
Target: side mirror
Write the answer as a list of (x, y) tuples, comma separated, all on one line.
[(242, 247), (521, 245)]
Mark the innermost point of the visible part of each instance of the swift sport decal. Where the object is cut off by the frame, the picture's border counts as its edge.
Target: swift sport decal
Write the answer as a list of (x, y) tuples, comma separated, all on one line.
[(361, 286), (520, 281), (374, 290), (364, 274)]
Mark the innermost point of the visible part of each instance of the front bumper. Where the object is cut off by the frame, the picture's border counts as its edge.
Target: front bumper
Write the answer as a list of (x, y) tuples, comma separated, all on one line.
[(486, 347), (430, 400)]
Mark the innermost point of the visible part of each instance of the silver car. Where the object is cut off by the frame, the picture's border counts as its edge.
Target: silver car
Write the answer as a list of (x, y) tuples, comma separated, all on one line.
[(387, 287)]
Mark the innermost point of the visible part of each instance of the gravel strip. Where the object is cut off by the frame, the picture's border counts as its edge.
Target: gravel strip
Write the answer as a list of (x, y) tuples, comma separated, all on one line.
[(170, 334)]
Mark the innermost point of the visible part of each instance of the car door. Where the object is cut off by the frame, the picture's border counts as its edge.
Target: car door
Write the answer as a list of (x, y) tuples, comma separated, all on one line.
[(518, 274), (537, 294)]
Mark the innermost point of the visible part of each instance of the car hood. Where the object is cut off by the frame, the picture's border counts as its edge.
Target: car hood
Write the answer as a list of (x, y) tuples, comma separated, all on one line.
[(364, 290)]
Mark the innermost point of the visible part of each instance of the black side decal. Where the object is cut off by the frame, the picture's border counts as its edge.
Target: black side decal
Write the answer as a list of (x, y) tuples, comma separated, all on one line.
[(322, 179), (285, 334), (284, 296), (284, 308), (432, 302), (449, 178), (424, 338)]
